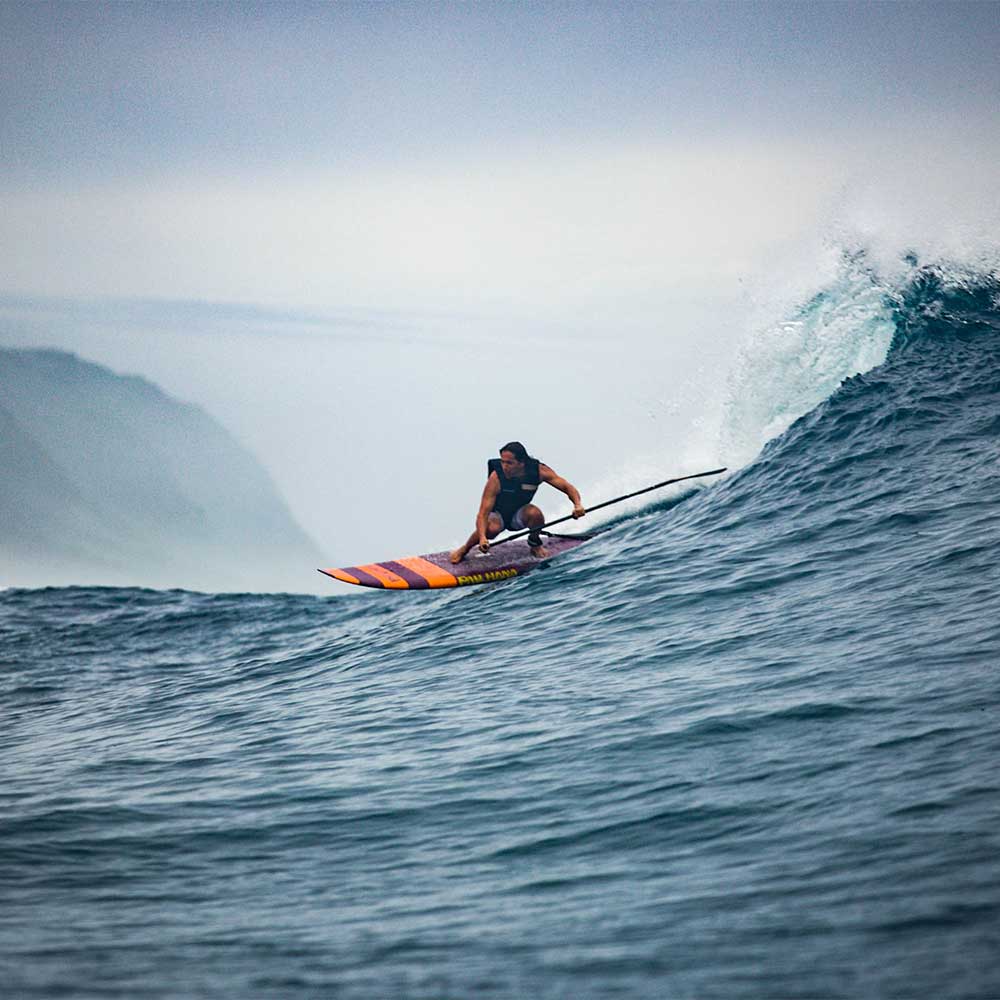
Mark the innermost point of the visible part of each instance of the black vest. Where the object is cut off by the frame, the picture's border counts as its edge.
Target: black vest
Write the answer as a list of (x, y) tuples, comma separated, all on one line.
[(515, 491)]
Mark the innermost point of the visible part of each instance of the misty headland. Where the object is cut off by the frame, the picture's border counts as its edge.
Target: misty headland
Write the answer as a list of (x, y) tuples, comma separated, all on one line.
[(108, 480)]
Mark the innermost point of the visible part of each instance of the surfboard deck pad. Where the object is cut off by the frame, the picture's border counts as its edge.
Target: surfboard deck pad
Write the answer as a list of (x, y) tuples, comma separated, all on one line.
[(429, 572)]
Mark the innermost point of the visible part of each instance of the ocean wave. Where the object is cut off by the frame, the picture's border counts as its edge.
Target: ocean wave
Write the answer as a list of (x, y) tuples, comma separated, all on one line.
[(762, 711)]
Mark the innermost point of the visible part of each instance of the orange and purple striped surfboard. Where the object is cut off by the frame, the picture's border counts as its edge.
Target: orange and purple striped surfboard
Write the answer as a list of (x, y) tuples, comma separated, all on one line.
[(432, 571)]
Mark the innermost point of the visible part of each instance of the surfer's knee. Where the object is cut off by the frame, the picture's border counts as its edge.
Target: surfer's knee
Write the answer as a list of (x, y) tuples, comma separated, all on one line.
[(494, 525), (532, 516)]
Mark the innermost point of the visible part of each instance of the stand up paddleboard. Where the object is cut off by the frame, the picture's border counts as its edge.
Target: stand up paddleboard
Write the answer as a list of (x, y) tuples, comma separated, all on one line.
[(436, 570)]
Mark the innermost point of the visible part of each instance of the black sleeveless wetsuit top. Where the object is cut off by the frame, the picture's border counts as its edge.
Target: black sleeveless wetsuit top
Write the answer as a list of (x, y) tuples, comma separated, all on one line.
[(515, 491)]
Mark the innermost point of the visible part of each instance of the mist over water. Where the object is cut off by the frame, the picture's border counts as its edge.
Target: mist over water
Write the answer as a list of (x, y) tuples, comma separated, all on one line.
[(339, 416), (669, 339)]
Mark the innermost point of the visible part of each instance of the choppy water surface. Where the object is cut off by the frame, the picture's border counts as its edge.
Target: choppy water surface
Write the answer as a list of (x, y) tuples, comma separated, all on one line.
[(744, 744)]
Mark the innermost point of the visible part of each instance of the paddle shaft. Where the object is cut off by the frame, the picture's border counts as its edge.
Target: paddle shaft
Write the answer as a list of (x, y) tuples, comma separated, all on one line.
[(608, 503)]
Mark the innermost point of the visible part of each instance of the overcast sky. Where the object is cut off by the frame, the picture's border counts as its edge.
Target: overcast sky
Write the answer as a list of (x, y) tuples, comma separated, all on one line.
[(93, 89), (381, 153), (466, 185)]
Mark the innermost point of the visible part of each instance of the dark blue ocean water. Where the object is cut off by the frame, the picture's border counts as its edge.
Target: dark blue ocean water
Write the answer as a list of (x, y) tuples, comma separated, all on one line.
[(744, 744)]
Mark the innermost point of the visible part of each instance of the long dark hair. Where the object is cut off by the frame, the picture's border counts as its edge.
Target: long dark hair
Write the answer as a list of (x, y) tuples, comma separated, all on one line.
[(517, 450)]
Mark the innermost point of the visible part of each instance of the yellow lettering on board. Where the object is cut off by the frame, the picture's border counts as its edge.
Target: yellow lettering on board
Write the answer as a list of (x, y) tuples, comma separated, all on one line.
[(496, 574)]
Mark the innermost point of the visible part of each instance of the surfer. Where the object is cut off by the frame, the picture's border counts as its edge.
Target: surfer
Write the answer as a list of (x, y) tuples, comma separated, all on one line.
[(513, 479)]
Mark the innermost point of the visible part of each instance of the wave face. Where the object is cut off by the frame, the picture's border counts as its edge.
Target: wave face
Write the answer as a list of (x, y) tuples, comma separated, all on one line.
[(742, 744)]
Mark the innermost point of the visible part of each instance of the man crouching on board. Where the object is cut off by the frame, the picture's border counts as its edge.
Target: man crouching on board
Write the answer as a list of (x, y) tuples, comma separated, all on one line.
[(513, 479)]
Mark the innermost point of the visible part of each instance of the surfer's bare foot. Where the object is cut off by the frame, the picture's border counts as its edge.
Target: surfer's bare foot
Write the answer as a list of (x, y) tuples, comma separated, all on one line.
[(458, 555), (539, 552)]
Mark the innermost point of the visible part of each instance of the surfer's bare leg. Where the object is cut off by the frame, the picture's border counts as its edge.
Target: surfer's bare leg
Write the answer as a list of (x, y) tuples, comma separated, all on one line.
[(493, 528), (533, 519)]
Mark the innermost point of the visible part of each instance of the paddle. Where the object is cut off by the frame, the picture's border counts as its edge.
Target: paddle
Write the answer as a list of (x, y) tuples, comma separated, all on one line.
[(608, 503)]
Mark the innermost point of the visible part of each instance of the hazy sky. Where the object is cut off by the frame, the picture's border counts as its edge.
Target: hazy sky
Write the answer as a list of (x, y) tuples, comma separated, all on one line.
[(391, 154), (318, 220)]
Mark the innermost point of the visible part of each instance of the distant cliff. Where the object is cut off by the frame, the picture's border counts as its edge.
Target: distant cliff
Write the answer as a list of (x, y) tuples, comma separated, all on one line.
[(105, 479)]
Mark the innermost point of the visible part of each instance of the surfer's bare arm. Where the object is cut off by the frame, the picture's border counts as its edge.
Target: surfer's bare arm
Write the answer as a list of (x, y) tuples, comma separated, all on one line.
[(490, 493), (564, 486), (481, 535)]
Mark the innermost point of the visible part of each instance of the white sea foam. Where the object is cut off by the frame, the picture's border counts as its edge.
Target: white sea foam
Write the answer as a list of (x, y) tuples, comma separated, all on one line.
[(789, 365)]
